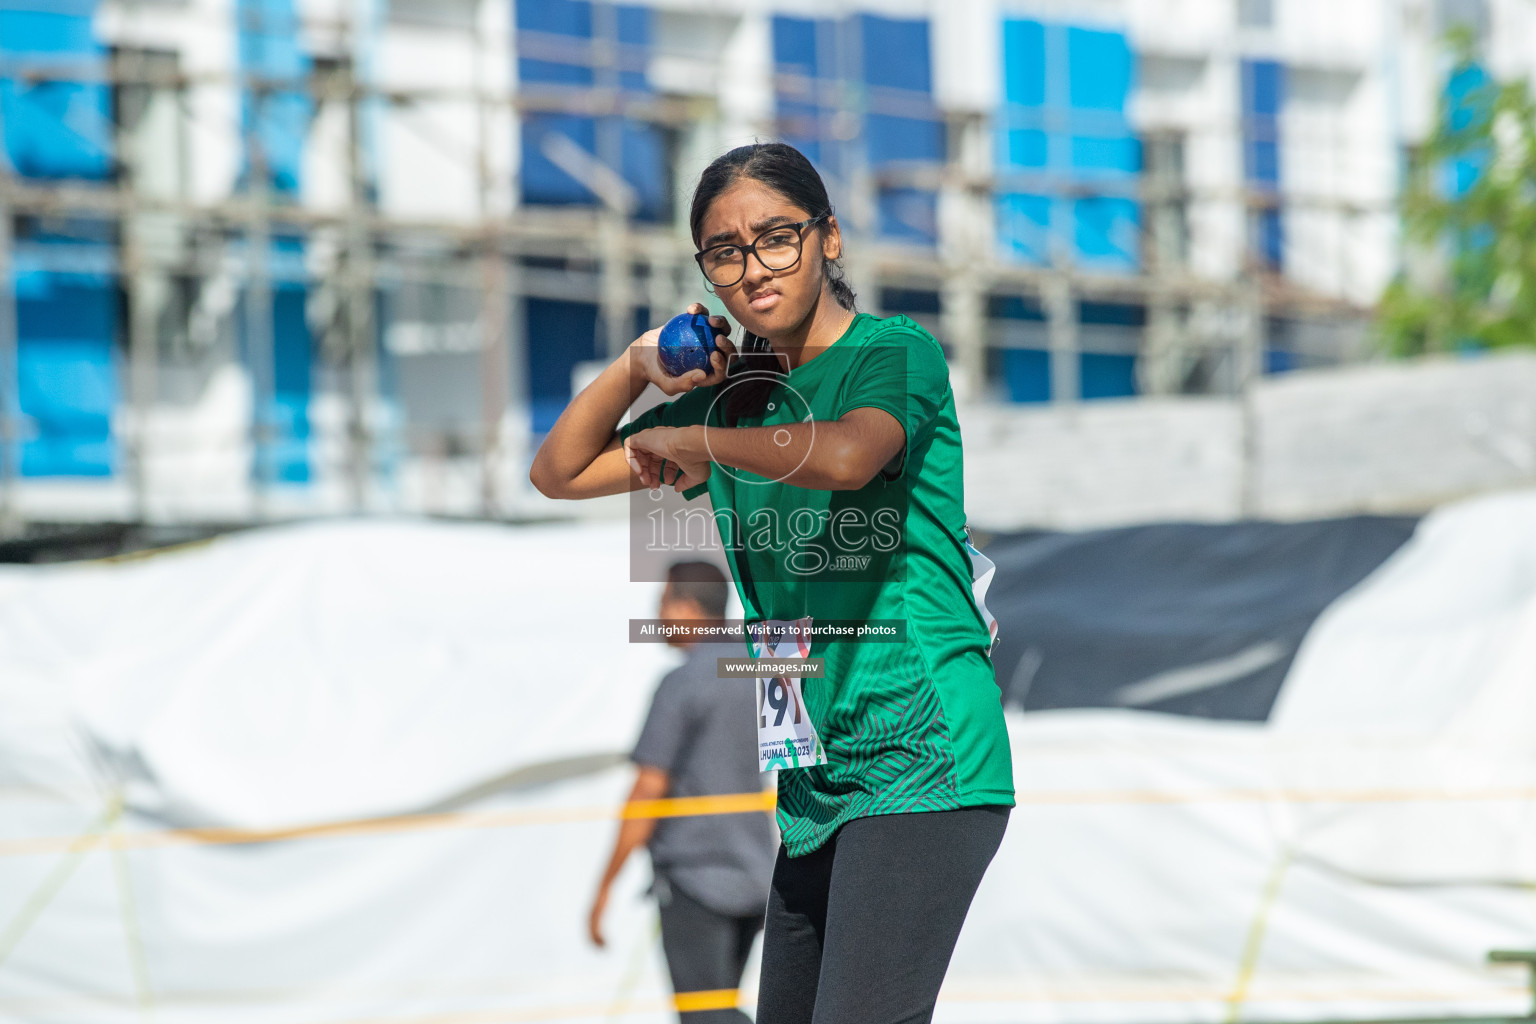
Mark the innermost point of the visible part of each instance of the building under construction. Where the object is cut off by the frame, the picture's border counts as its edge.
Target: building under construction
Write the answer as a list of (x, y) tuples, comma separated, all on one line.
[(272, 258)]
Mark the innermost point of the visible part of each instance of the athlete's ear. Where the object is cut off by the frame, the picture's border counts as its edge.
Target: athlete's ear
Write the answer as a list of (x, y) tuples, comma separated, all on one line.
[(832, 240)]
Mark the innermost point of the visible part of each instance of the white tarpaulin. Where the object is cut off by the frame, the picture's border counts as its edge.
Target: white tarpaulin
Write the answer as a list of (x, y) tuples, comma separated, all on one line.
[(443, 706)]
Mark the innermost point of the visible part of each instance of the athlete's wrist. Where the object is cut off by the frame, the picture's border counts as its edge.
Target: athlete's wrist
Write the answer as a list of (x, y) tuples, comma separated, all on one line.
[(634, 367), (692, 444)]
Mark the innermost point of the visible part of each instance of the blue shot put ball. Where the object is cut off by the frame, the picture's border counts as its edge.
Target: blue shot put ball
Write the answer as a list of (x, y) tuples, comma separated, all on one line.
[(686, 344)]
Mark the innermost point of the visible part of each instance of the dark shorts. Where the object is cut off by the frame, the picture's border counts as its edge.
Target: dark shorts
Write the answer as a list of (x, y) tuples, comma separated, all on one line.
[(861, 930)]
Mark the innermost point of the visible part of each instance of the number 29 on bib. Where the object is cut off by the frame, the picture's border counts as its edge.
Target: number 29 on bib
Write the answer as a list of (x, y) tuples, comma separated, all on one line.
[(786, 736)]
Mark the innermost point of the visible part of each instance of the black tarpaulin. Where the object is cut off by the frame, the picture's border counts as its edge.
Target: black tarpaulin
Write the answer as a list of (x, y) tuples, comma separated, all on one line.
[(1190, 619)]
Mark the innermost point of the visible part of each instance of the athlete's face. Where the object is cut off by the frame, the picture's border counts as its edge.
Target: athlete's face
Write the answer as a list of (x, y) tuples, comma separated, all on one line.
[(769, 303)]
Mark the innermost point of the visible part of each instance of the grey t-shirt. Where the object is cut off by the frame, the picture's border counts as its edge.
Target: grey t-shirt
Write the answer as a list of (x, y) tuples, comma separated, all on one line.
[(702, 732)]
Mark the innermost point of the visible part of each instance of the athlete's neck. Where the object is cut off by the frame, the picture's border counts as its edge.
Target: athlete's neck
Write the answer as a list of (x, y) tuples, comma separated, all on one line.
[(825, 323)]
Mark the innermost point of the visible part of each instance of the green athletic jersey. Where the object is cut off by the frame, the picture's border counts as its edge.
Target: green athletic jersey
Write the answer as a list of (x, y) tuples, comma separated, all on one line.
[(911, 726)]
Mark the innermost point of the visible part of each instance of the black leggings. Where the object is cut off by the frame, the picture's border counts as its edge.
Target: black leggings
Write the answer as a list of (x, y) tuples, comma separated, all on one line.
[(860, 931)]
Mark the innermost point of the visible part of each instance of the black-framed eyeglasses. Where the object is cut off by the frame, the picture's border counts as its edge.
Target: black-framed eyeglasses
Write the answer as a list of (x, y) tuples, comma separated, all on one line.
[(777, 248)]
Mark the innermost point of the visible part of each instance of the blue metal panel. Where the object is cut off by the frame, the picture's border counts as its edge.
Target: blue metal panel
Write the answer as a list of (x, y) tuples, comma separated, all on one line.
[(1024, 226), (66, 320), (276, 117), (1108, 230), (68, 373), (541, 64), (1263, 96), (893, 73), (644, 156), (1015, 307), (800, 126), (1024, 63), (794, 46), (897, 139), (1028, 148), (1027, 374), (1270, 241), (1279, 360), (898, 68), (34, 30), (1100, 66), (288, 455), (1107, 375), (543, 182), (54, 129), (909, 215), (1066, 90), (1105, 156), (1262, 88), (1263, 167), (912, 301), (284, 458), (1113, 313), (896, 53), (798, 101), (532, 71), (633, 25), (560, 335), (636, 150), (562, 17), (807, 61)]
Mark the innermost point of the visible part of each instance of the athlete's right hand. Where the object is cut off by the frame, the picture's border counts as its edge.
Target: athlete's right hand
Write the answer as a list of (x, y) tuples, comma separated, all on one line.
[(645, 360)]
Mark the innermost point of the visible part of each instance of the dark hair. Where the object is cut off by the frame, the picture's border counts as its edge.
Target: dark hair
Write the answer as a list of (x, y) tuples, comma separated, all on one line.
[(784, 169), (700, 582)]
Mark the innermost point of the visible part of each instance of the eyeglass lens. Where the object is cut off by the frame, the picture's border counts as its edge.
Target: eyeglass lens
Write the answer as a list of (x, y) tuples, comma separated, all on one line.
[(777, 248)]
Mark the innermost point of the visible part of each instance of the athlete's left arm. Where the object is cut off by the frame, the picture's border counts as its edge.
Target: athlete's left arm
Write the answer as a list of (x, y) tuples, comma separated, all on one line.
[(835, 455)]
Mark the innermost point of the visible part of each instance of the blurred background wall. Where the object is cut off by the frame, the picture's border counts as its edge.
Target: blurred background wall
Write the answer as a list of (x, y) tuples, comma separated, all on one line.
[(273, 258)]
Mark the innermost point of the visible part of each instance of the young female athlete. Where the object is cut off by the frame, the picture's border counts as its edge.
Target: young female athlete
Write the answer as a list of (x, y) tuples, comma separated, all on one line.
[(831, 454)]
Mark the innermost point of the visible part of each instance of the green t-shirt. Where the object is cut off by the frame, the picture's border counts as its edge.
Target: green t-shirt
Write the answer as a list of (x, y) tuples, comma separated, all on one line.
[(911, 726)]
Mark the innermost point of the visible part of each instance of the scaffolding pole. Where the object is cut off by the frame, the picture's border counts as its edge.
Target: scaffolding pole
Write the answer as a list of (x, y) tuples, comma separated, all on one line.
[(361, 356), (142, 355), (495, 308), (1061, 317), (260, 339)]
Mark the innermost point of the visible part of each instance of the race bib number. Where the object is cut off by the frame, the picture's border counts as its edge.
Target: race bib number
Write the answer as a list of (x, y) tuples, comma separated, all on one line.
[(786, 736)]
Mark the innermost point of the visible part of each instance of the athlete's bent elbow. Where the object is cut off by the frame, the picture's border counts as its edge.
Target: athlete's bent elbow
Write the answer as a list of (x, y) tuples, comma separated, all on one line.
[(546, 482), (849, 469)]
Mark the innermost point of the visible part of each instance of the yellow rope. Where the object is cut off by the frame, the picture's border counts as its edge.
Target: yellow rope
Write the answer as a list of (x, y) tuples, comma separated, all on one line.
[(137, 963), (1249, 963), (726, 803), (74, 849), (674, 807)]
